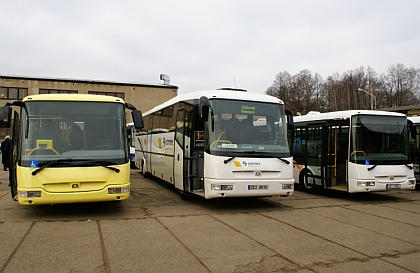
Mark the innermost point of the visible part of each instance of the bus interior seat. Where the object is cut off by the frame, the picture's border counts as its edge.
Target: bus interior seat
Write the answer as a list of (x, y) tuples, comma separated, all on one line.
[(233, 130), (248, 132)]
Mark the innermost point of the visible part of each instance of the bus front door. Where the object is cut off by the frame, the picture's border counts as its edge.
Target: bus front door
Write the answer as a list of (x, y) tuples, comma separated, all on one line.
[(13, 156), (182, 158), (315, 174), (337, 152)]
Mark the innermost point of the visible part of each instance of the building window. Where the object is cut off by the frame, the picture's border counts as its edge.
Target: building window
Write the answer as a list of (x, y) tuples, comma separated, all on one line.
[(113, 94), (13, 92), (54, 91)]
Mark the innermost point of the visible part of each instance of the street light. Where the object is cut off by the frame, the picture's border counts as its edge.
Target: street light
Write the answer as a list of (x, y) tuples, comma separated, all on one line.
[(372, 98)]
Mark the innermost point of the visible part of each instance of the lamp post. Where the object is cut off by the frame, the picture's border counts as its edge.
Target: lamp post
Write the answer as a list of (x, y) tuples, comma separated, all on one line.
[(372, 98)]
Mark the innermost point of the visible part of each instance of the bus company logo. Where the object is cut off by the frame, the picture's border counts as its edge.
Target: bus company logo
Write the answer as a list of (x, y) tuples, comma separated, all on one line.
[(169, 142), (251, 163), (237, 164)]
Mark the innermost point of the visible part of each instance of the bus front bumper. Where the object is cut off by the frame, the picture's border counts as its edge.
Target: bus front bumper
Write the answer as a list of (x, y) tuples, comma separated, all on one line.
[(36, 196), (247, 188)]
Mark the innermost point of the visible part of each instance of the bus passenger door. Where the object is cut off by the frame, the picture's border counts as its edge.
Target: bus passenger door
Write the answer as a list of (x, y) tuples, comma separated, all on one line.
[(14, 152), (179, 149), (315, 174), (182, 149), (338, 138), (331, 155)]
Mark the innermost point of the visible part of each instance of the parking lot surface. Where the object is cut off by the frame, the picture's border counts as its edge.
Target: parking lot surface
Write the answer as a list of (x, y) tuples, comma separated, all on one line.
[(156, 231)]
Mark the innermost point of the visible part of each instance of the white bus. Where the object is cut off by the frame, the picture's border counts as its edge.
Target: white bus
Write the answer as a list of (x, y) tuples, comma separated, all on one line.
[(218, 143), (414, 146), (131, 135), (353, 151)]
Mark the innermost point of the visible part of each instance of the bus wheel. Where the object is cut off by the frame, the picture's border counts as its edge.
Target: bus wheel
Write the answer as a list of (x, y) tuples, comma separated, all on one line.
[(143, 171), (306, 181), (186, 195)]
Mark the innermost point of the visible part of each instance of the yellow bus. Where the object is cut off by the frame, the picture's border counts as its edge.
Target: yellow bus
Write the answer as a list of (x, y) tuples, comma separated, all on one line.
[(69, 148)]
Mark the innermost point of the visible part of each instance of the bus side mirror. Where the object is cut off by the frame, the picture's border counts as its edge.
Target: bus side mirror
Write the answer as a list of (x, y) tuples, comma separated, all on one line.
[(5, 116), (413, 130), (289, 116), (203, 109), (137, 119)]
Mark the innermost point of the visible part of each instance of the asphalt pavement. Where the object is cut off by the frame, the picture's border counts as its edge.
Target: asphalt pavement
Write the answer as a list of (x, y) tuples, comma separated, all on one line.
[(156, 231)]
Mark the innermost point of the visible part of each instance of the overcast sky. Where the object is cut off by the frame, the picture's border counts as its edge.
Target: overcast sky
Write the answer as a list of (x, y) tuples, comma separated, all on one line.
[(205, 44)]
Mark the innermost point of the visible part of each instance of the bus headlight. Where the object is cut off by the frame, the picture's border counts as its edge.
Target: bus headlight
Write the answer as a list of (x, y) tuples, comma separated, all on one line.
[(221, 187), (411, 181), (366, 183), (29, 194), (287, 186), (118, 190)]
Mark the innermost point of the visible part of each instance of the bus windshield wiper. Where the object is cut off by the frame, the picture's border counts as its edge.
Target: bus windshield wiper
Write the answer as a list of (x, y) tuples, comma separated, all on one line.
[(54, 162), (374, 166), (255, 153), (102, 163), (380, 162), (284, 160), (71, 162), (410, 167), (239, 153)]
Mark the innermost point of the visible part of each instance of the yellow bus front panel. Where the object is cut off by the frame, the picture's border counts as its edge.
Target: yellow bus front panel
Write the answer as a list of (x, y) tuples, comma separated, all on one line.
[(72, 185)]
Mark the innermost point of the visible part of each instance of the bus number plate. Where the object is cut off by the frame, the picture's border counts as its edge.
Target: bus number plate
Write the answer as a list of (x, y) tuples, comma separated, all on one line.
[(393, 186), (257, 187)]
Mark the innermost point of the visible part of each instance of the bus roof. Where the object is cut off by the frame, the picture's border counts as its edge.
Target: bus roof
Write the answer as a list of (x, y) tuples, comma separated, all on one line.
[(415, 119), (194, 97), (340, 115), (72, 97)]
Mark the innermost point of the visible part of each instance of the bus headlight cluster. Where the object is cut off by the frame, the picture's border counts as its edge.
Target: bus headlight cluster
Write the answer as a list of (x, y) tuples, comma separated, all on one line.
[(366, 183), (287, 186), (221, 187), (29, 194), (411, 181), (118, 190)]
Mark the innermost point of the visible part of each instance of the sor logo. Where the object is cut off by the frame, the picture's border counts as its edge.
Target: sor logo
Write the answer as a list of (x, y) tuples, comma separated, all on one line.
[(244, 163)]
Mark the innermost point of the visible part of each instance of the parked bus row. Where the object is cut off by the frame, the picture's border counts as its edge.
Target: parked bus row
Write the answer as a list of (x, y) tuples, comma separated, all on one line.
[(215, 143)]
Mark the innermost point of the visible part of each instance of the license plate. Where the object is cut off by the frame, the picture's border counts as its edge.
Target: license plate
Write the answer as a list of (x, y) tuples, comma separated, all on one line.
[(393, 186), (257, 187)]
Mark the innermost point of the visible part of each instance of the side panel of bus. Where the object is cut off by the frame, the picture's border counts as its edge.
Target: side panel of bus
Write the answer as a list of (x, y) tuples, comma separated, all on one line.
[(161, 156)]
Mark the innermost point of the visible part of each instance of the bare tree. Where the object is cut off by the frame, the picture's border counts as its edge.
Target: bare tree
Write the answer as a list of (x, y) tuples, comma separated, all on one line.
[(400, 85), (281, 87), (305, 91)]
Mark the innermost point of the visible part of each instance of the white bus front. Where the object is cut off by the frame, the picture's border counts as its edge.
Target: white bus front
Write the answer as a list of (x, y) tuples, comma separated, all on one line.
[(378, 155), (246, 150)]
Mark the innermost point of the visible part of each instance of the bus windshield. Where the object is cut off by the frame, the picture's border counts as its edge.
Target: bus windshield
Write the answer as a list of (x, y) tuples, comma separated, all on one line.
[(377, 140), (236, 128), (54, 130)]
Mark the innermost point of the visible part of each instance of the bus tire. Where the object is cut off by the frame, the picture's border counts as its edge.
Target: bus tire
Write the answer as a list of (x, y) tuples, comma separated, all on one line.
[(143, 171), (186, 195), (303, 181)]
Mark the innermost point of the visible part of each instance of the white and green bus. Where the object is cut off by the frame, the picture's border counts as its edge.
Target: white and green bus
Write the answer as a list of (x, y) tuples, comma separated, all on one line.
[(50, 165), (218, 143), (353, 151)]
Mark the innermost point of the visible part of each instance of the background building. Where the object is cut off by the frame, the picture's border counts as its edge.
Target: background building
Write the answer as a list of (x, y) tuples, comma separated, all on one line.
[(143, 96)]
